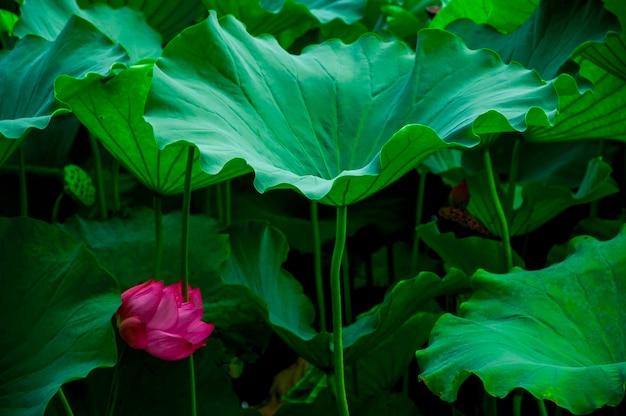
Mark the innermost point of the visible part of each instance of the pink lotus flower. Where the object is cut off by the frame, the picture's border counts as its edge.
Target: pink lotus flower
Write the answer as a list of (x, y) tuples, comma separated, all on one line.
[(154, 317)]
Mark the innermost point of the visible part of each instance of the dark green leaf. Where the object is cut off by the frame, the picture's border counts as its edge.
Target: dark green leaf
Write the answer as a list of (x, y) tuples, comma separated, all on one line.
[(60, 302), (504, 15)]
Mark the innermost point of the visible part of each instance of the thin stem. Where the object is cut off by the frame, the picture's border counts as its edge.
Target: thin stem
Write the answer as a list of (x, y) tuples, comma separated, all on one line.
[(185, 222), (158, 235), (517, 403), (347, 287), (23, 189), (227, 203), (115, 384), (102, 203), (192, 383), (542, 408), (220, 203), (335, 288), (490, 405), (65, 403), (115, 179), (317, 265), (593, 208), (57, 206), (504, 226), (513, 171), (185, 263), (415, 255)]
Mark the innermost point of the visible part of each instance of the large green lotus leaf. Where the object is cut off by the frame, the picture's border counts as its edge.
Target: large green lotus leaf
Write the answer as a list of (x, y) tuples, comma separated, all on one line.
[(29, 70), (504, 15), (112, 109), (167, 17), (338, 122), (57, 301), (126, 246), (467, 254), (558, 332), (547, 40), (257, 252), (538, 202), (125, 27), (404, 300), (8, 146)]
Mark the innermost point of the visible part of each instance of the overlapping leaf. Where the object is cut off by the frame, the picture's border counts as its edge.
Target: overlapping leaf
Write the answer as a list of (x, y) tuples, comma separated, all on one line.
[(257, 252), (504, 15), (58, 301), (338, 122), (112, 109), (125, 26), (547, 40), (558, 332), (167, 17), (30, 69), (539, 202)]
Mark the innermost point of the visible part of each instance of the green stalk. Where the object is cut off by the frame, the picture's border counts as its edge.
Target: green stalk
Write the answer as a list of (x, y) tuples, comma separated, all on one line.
[(185, 263), (227, 203), (415, 255), (220, 203), (335, 289), (158, 231), (115, 384), (513, 170), (23, 189), (66, 404), (102, 203), (347, 287), (504, 226), (517, 403), (490, 405), (317, 265), (115, 170), (593, 208), (542, 408), (57, 206)]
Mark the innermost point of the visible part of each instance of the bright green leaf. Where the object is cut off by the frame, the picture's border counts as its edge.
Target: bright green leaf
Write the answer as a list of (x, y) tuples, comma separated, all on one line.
[(58, 301), (112, 109), (167, 17), (7, 21), (557, 332), (29, 70), (311, 123), (125, 27), (504, 15)]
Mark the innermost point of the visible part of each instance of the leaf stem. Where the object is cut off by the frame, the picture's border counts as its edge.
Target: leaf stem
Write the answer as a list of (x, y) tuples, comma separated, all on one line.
[(23, 188), (517, 403), (115, 384), (504, 226), (227, 202), (317, 265), (115, 179), (158, 234), (56, 207), (347, 287), (542, 408), (335, 288), (185, 263), (66, 404), (415, 255), (102, 203), (513, 171)]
